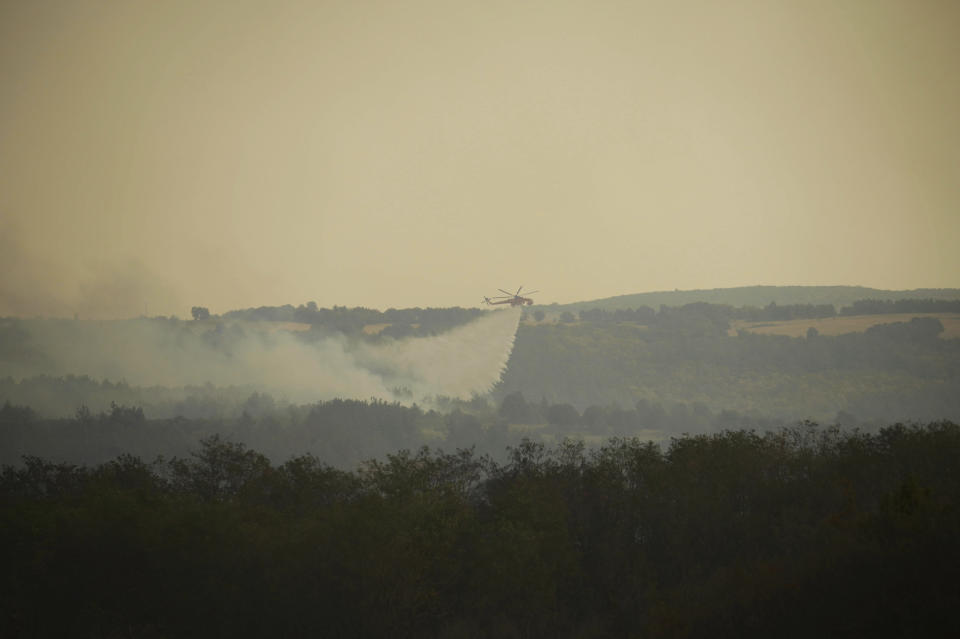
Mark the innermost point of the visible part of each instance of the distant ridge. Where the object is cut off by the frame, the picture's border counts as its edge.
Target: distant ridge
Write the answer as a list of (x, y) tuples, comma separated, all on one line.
[(759, 296)]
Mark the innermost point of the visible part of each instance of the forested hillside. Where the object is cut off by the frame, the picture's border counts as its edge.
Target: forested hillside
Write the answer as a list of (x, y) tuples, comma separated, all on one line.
[(758, 296), (404, 322), (339, 432), (673, 364), (683, 357), (637, 472)]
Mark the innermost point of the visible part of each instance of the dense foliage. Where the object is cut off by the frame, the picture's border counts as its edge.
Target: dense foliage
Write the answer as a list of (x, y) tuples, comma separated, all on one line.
[(759, 296), (686, 355), (681, 506), (339, 432), (63, 395), (772, 312), (402, 322), (800, 532), (880, 307), (682, 359)]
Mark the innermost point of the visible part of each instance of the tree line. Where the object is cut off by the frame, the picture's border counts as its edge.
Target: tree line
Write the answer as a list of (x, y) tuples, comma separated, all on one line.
[(344, 432), (794, 532), (897, 370), (883, 307), (772, 312), (405, 322)]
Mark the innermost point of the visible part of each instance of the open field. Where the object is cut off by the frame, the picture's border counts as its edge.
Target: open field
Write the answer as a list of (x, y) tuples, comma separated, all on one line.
[(200, 326), (843, 324), (374, 329)]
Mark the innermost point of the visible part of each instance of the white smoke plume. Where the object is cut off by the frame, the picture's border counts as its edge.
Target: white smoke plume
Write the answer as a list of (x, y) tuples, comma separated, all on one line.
[(462, 362), (465, 361)]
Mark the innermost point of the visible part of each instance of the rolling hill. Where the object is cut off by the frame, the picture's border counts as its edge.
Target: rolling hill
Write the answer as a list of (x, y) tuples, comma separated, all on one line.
[(755, 296)]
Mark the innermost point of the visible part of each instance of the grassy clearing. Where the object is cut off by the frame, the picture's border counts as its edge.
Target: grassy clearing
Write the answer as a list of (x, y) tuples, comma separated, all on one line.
[(374, 329), (843, 324)]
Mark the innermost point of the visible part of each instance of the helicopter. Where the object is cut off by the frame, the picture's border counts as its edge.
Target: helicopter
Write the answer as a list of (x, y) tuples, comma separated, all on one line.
[(513, 299)]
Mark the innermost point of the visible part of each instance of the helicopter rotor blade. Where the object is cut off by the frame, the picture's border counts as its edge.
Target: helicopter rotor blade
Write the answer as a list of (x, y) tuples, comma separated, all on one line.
[(507, 292), (517, 294), (530, 292)]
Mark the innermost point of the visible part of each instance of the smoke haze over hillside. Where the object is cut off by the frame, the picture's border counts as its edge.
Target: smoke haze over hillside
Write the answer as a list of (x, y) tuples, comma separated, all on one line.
[(461, 362)]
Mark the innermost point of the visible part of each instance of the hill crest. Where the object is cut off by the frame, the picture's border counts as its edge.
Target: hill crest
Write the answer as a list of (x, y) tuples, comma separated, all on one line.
[(760, 295)]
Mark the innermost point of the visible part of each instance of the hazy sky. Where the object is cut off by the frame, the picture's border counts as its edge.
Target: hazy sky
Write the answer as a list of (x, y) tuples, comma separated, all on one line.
[(159, 155)]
